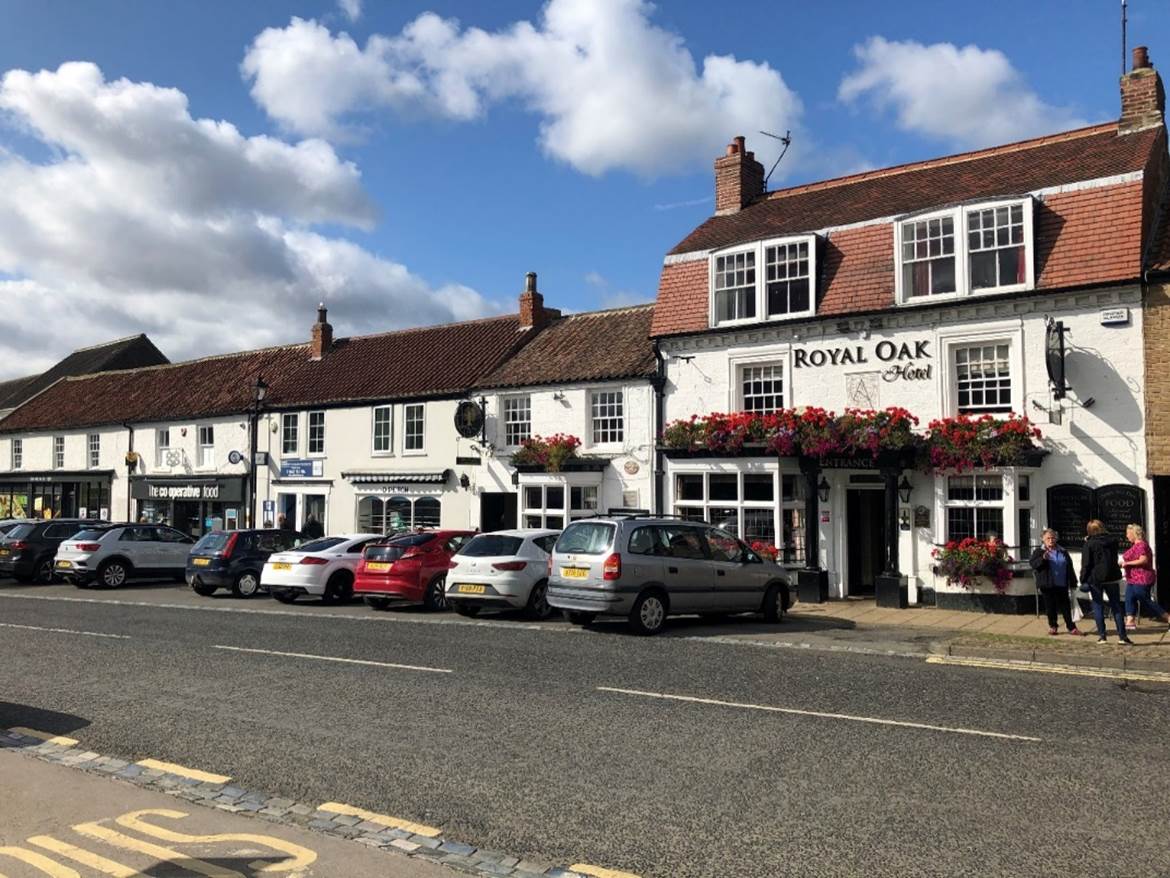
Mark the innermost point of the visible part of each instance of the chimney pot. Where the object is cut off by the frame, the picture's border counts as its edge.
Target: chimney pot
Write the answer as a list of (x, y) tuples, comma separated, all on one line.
[(739, 178), (1143, 97), (1141, 57), (321, 340), (530, 282)]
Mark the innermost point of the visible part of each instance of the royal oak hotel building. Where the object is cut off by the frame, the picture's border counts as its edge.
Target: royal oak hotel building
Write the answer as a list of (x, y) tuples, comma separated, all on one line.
[(1009, 279)]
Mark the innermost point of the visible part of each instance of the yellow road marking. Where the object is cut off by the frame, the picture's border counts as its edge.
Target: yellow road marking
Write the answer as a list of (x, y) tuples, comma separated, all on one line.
[(47, 737), (298, 857), (38, 861), (86, 858), (383, 819), (118, 840), (599, 872), (183, 771), (1041, 667)]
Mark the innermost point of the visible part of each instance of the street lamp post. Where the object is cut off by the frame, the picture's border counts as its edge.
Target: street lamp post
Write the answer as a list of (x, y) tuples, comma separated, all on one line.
[(259, 392)]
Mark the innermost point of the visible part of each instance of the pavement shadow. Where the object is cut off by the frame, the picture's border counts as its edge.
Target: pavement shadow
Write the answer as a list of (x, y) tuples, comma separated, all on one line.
[(226, 866), (26, 716)]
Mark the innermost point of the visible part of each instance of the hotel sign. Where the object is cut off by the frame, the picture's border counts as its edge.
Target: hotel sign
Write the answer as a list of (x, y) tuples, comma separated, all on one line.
[(904, 359)]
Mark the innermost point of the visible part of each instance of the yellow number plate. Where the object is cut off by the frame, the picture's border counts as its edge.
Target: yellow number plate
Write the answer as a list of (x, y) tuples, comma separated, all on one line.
[(471, 589), (280, 565), (377, 566), (201, 562), (574, 572), (64, 563)]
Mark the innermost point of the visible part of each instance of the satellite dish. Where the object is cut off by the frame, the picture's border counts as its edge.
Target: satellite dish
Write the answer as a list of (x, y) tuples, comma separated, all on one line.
[(1054, 357)]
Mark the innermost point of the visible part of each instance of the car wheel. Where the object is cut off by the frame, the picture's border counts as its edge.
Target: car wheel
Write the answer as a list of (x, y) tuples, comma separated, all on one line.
[(465, 609), (338, 590), (648, 615), (247, 584), (113, 574), (436, 595), (285, 595), (578, 618), (538, 607), (774, 605), (43, 572), (202, 588), (378, 603)]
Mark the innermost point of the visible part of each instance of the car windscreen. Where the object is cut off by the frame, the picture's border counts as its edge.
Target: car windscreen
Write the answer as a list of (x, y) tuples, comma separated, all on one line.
[(212, 542), (491, 546), (20, 532), (321, 545), (586, 538), (87, 536)]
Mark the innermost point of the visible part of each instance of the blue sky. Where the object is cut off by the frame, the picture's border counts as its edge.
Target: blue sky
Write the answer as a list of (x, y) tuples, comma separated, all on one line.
[(415, 175)]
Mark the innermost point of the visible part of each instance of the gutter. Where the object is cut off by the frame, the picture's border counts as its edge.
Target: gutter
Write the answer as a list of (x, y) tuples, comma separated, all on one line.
[(658, 382), (129, 448)]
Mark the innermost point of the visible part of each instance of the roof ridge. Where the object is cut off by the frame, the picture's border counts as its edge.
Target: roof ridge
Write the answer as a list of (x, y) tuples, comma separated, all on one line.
[(409, 329), (942, 161), (641, 306), (108, 344)]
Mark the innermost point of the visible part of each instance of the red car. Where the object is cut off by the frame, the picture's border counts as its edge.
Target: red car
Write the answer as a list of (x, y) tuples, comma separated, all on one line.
[(410, 567)]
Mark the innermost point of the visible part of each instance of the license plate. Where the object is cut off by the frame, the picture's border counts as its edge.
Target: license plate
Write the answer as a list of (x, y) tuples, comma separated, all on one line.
[(471, 589), (64, 564), (377, 566), (280, 565), (574, 572), (201, 562)]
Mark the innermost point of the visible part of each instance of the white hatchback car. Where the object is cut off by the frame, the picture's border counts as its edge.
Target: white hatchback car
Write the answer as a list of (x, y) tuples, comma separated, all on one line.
[(323, 567), (111, 554), (507, 568)]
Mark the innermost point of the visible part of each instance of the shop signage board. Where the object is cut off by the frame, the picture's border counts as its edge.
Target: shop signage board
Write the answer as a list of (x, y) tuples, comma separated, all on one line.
[(1119, 506), (302, 468), (188, 489), (1070, 508)]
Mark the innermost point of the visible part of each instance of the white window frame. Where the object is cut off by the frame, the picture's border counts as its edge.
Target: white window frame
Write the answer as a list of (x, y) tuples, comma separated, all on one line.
[(309, 452), (537, 516), (17, 454), (389, 434), (593, 420), (205, 450), (58, 452), (959, 215), (93, 449), (738, 390), (759, 248), (162, 444), (1010, 504), (517, 402), (422, 436), (1010, 332), (288, 419)]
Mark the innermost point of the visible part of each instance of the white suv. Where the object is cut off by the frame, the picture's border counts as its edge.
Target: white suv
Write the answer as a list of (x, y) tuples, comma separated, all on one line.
[(111, 554)]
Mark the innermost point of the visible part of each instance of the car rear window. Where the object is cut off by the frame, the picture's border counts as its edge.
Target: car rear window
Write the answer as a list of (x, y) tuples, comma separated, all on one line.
[(321, 545), (586, 538), (20, 531), (491, 545), (412, 540), (212, 542), (83, 536)]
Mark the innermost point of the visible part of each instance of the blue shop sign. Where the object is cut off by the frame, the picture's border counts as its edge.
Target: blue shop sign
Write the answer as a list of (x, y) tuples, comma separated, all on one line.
[(301, 468)]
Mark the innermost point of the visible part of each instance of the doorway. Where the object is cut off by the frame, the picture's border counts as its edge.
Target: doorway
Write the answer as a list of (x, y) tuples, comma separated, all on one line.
[(1161, 532), (865, 536), (497, 510)]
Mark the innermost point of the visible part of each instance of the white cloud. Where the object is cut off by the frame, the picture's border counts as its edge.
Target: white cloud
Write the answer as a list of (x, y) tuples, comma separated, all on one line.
[(145, 219), (352, 9), (614, 297), (611, 89), (968, 96)]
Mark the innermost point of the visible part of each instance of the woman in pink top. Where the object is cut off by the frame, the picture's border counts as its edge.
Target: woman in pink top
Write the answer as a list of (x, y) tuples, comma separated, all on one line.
[(1138, 563)]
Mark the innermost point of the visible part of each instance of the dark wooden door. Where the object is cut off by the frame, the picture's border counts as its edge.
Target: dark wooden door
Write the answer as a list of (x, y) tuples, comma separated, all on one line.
[(865, 536), (497, 511)]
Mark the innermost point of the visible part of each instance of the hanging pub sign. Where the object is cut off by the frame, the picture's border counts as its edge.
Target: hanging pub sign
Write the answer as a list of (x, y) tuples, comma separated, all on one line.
[(469, 419), (1071, 507), (1054, 357)]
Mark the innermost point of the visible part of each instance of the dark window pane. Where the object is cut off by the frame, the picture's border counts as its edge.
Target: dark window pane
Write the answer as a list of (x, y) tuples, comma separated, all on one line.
[(723, 487), (759, 487), (942, 275), (688, 487), (983, 270)]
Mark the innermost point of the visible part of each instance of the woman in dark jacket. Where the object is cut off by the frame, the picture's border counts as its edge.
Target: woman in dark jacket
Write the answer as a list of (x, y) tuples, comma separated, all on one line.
[(1054, 577), (1102, 574)]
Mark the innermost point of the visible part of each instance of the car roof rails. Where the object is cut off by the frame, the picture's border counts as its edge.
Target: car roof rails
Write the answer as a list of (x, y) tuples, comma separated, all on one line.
[(637, 513)]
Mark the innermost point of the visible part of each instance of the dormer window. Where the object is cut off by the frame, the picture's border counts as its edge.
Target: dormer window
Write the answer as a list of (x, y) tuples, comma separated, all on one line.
[(774, 279), (982, 248)]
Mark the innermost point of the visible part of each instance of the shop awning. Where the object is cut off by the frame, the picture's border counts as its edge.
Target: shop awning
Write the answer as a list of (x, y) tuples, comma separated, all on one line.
[(367, 477)]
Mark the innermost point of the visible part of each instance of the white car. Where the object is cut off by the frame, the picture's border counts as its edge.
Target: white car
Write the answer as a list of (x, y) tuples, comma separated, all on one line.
[(323, 567), (113, 553), (507, 568)]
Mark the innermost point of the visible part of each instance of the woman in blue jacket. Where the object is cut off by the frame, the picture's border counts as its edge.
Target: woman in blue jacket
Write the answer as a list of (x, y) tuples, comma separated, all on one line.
[(1054, 577)]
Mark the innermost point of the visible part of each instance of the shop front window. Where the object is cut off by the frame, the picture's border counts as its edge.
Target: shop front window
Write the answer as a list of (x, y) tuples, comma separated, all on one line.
[(747, 505), (975, 507), (553, 505), (389, 515)]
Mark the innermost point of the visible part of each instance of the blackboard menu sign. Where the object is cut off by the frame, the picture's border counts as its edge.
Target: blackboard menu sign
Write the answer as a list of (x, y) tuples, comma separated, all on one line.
[(1119, 506), (1069, 509)]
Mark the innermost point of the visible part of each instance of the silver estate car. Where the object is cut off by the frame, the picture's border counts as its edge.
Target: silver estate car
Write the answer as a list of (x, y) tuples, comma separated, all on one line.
[(649, 568)]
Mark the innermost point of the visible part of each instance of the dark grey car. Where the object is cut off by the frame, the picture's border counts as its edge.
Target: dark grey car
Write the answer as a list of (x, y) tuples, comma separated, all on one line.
[(649, 568)]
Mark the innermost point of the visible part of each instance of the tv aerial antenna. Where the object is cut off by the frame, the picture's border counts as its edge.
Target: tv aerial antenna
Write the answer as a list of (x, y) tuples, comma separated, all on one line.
[(787, 141), (1124, 60)]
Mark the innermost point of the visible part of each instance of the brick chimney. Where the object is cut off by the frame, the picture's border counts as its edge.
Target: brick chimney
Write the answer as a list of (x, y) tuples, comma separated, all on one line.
[(322, 341), (533, 314), (739, 178), (1143, 99)]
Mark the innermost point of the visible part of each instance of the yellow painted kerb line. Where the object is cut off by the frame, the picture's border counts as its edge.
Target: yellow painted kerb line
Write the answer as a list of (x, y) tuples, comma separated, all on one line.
[(47, 737), (382, 819), (1042, 668), (599, 872), (184, 771)]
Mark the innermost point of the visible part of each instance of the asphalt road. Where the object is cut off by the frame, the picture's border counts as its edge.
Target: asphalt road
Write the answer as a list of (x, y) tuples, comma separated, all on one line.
[(508, 735)]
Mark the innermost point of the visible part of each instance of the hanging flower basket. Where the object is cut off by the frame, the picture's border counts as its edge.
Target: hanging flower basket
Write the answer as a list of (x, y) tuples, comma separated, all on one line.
[(548, 452), (963, 443), (968, 561)]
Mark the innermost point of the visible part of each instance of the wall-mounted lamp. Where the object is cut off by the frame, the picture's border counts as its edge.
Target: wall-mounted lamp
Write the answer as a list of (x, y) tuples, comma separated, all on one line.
[(464, 481), (904, 519), (516, 479), (558, 396), (823, 489), (904, 489)]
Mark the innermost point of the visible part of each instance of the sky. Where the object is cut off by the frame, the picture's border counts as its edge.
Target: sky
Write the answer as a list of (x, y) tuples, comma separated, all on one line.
[(207, 172)]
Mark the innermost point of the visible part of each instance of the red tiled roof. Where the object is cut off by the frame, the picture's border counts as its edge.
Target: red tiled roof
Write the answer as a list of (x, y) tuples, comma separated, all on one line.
[(1081, 236), (429, 361), (594, 346)]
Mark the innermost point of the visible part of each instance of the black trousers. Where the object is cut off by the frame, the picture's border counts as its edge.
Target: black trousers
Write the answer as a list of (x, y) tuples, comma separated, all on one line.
[(1056, 599)]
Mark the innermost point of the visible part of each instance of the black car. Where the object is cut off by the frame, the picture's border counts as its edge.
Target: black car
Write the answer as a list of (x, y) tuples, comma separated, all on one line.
[(27, 550), (234, 558)]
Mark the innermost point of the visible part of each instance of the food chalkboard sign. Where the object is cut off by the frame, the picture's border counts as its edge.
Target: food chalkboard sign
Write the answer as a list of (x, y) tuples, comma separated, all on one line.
[(1069, 509), (1119, 506)]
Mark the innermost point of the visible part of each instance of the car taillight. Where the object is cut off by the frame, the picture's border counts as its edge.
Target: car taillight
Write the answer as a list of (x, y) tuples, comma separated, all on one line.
[(88, 547), (612, 568), (317, 562), (550, 565), (18, 545), (452, 563), (230, 547), (509, 565)]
